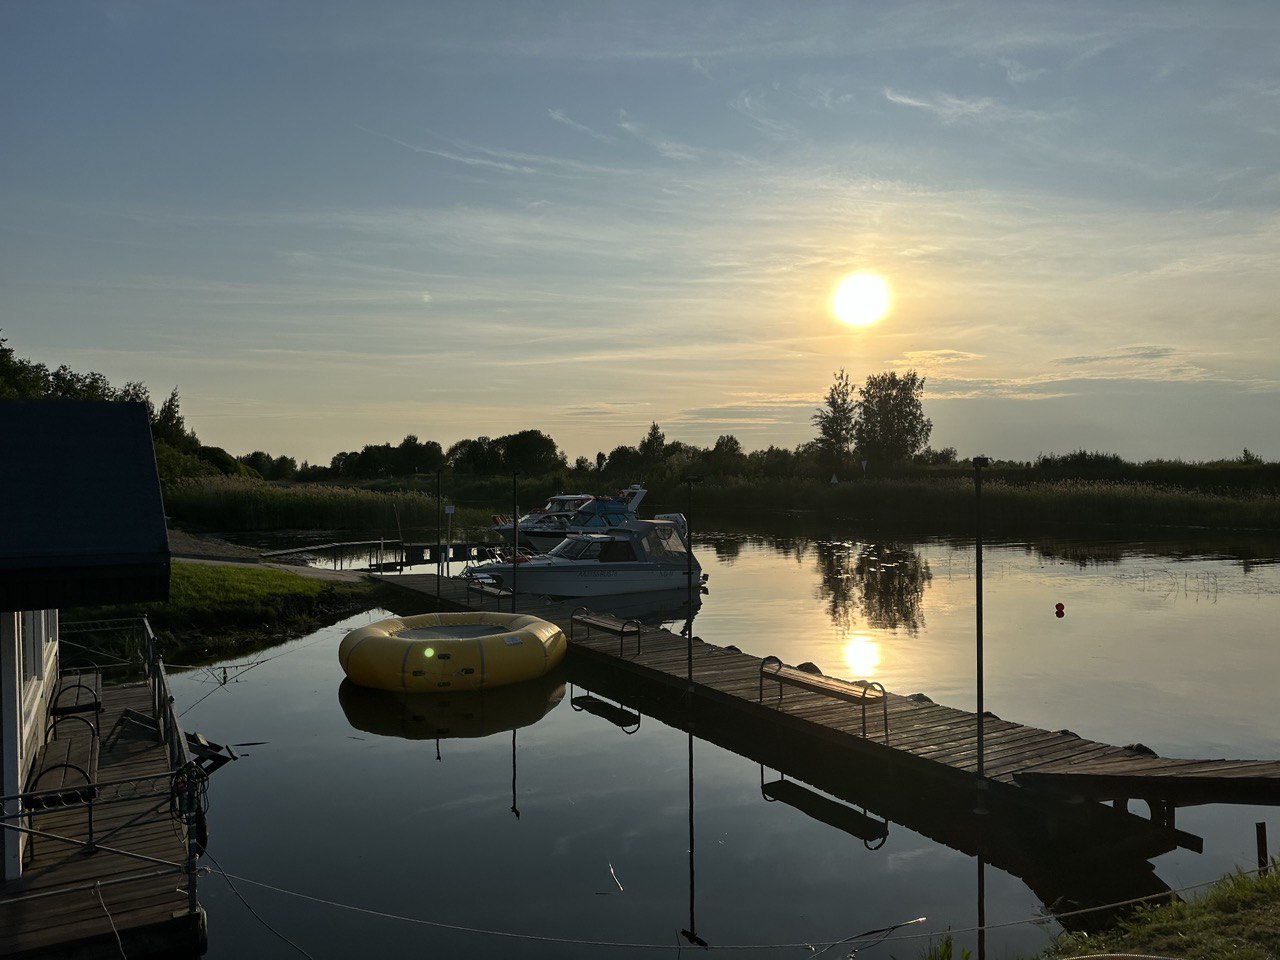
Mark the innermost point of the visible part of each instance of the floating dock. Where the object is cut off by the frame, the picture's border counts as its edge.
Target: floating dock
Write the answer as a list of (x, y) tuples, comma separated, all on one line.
[(931, 738), (86, 902)]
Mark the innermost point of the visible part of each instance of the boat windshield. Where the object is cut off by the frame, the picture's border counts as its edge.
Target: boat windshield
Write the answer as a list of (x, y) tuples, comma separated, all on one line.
[(576, 548)]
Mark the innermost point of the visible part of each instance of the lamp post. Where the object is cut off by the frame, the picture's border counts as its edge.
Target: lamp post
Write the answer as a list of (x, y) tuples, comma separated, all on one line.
[(688, 571), (978, 464), (439, 570), (515, 537)]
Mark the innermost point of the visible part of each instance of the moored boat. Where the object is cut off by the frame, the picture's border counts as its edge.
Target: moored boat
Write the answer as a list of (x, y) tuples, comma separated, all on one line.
[(635, 557), (563, 514)]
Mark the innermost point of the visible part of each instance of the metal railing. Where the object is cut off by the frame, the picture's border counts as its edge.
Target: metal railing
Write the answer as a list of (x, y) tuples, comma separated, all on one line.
[(183, 783)]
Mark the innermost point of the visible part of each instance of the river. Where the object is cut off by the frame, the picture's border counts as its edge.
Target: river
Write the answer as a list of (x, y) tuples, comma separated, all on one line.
[(572, 832)]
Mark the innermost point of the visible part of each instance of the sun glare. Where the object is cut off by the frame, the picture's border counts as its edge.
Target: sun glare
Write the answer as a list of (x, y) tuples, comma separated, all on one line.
[(862, 654), (861, 299)]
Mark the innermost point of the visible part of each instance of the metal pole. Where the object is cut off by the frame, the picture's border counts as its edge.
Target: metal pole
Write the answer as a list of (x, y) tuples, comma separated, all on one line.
[(1264, 862), (982, 909), (978, 464), (688, 571), (438, 569), (515, 537)]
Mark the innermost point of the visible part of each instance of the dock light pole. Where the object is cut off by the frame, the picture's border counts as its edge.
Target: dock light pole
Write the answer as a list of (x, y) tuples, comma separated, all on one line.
[(515, 537), (978, 464), (688, 568), (438, 544)]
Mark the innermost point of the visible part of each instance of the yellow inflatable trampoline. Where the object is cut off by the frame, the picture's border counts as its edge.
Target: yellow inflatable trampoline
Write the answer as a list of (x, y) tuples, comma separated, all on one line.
[(435, 652)]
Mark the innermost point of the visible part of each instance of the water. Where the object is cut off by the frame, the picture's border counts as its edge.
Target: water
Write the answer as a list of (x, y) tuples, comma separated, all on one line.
[(1166, 644)]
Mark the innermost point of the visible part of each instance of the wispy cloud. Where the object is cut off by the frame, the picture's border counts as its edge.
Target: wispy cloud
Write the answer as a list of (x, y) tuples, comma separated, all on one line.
[(559, 116), (752, 105), (667, 147), (951, 109)]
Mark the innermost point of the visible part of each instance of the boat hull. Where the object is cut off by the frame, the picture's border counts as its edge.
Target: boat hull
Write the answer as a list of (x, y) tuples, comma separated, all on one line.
[(602, 580)]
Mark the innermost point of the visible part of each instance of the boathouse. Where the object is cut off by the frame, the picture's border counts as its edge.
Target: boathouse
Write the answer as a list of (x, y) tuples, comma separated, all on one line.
[(83, 524)]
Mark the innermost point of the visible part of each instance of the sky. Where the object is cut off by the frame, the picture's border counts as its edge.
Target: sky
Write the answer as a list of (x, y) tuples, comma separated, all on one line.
[(332, 224)]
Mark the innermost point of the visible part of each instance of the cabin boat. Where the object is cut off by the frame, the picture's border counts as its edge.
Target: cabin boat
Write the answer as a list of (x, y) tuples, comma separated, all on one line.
[(636, 556), (542, 529)]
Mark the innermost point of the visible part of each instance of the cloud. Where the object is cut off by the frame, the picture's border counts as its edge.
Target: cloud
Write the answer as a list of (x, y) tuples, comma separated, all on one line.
[(559, 116), (1016, 73), (926, 360), (951, 109), (751, 105), (671, 149), (1123, 354)]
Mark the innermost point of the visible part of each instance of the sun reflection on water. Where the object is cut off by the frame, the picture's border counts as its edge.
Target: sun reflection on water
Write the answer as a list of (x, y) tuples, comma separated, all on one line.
[(862, 654)]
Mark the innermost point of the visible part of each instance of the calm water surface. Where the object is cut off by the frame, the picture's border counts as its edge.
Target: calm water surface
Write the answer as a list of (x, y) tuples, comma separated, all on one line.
[(573, 829)]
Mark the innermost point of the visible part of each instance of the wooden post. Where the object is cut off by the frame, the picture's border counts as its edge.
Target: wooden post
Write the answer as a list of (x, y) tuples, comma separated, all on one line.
[(1264, 862)]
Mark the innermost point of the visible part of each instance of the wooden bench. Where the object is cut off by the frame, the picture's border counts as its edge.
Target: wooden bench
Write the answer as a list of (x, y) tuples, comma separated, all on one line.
[(851, 691), (65, 769), (78, 692), (582, 617)]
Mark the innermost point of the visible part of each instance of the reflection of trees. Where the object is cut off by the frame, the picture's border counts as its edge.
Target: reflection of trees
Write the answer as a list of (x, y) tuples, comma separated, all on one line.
[(727, 548), (885, 582)]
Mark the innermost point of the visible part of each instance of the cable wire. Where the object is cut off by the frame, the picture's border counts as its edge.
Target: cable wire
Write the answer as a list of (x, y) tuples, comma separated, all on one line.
[(255, 913), (97, 888)]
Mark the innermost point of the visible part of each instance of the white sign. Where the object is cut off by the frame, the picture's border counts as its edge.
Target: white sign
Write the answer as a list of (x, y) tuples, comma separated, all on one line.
[(450, 508)]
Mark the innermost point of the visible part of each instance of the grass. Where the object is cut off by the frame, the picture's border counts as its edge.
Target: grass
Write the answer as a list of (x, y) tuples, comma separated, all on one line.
[(215, 608), (1239, 917)]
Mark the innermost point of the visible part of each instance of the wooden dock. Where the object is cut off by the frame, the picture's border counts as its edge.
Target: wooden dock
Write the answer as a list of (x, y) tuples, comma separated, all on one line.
[(69, 903), (924, 735)]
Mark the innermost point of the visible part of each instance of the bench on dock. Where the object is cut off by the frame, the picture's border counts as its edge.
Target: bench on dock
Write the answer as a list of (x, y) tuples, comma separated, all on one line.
[(65, 768), (604, 623), (850, 691), (79, 691)]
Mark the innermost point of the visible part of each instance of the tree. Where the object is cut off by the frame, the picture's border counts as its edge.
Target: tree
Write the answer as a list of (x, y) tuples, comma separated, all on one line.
[(653, 445), (890, 424), (531, 452), (835, 422)]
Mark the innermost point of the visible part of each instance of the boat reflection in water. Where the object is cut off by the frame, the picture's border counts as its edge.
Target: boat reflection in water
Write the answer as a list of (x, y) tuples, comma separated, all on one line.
[(446, 716)]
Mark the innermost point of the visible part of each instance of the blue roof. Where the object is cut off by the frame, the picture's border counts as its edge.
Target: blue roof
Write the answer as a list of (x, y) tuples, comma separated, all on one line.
[(84, 519)]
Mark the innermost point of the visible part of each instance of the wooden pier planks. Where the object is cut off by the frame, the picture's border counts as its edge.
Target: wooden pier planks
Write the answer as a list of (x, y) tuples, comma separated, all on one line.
[(1054, 762), (147, 903)]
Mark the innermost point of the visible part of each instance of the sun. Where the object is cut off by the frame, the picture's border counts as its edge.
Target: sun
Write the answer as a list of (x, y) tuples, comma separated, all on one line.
[(861, 299)]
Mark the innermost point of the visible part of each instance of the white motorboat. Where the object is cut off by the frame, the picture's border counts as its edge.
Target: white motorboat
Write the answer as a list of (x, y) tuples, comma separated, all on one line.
[(636, 557), (563, 514)]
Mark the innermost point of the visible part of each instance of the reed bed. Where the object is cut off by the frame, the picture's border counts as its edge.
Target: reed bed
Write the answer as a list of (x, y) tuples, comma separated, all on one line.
[(947, 504), (245, 505)]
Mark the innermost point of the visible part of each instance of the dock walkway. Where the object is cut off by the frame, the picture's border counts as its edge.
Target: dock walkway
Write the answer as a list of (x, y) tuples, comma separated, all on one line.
[(920, 733), (68, 901)]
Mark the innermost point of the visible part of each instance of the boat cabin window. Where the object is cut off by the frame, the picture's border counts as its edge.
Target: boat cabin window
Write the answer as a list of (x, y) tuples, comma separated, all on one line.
[(617, 551), (576, 549)]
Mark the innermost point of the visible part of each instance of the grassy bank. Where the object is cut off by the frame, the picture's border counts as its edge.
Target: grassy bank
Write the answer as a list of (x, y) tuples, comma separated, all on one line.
[(216, 609), (1239, 917)]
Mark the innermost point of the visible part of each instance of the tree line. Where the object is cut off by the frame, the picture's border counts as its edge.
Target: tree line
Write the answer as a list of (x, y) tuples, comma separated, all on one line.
[(881, 424)]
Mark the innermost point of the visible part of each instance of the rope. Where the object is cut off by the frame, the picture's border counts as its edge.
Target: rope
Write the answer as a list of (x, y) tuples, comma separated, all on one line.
[(255, 913), (880, 935), (97, 888)]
